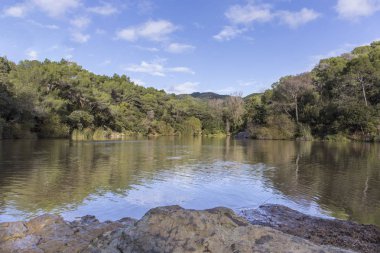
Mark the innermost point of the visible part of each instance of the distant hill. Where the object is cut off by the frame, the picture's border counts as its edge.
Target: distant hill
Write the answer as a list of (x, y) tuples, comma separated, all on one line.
[(205, 95)]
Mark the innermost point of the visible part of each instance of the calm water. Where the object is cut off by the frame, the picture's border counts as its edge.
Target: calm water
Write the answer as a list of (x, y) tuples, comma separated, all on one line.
[(115, 179)]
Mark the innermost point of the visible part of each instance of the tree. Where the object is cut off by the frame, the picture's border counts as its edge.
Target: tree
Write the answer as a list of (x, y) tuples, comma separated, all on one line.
[(360, 73), (291, 88), (80, 119), (233, 111)]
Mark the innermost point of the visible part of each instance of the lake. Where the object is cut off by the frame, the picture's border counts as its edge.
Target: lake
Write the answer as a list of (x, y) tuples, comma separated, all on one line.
[(115, 179)]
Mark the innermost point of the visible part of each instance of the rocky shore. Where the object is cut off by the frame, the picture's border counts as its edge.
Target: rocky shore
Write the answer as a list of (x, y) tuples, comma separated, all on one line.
[(270, 228)]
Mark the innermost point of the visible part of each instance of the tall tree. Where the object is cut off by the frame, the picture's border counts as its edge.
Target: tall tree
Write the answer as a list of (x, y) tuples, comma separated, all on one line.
[(291, 88), (233, 111), (360, 73)]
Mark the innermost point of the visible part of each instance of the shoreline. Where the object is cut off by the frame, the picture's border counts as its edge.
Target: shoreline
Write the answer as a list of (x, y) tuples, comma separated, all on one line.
[(174, 229)]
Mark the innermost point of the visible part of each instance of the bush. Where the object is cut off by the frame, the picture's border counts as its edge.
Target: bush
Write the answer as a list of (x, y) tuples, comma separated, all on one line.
[(80, 119), (304, 133), (19, 131), (2, 126), (164, 128), (192, 126), (337, 138), (278, 127), (81, 135), (52, 127)]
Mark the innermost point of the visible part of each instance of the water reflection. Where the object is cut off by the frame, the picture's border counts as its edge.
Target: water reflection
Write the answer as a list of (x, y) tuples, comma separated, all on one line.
[(115, 179)]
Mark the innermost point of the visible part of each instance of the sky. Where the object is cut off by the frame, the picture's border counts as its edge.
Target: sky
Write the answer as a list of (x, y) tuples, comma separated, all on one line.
[(223, 46)]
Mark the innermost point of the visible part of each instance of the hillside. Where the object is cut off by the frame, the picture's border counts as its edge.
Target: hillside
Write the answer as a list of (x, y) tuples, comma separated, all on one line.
[(338, 99), (61, 99)]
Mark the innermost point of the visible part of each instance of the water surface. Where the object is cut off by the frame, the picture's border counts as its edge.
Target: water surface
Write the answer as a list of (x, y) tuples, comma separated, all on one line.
[(115, 179)]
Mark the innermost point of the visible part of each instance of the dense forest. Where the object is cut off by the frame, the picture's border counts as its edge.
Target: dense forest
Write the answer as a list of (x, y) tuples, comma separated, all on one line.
[(61, 99), (339, 99)]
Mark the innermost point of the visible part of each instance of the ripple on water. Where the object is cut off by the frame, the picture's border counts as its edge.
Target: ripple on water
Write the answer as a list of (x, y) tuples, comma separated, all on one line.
[(114, 179)]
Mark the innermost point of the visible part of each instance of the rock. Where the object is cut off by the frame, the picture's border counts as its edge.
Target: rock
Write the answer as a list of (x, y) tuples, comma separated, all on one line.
[(163, 229), (242, 135), (174, 229), (343, 234), (50, 233)]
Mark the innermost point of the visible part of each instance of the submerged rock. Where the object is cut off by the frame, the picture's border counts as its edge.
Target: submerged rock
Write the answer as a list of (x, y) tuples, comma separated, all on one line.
[(162, 229)]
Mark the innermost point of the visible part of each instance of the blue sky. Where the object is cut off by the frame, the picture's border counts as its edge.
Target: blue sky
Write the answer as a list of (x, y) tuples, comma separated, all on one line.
[(183, 46)]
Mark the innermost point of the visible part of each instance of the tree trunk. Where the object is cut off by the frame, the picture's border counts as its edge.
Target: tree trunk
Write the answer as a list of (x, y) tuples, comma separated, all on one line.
[(227, 126), (364, 95), (296, 109)]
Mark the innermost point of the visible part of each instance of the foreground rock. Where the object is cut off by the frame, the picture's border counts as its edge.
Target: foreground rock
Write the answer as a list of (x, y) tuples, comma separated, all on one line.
[(50, 233), (343, 234), (164, 229), (174, 229)]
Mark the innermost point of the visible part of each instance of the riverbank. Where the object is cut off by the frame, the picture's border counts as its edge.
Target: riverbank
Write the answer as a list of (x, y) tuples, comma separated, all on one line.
[(101, 134), (270, 228)]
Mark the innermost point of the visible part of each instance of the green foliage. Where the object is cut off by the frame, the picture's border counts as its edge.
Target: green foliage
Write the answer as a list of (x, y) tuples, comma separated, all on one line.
[(82, 135), (303, 133), (80, 119), (192, 126), (278, 127), (336, 138), (338, 100), (52, 127), (164, 128), (339, 97), (2, 125), (61, 99)]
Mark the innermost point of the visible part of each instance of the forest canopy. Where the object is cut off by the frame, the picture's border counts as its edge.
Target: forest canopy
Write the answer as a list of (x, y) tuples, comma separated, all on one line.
[(338, 99), (61, 99)]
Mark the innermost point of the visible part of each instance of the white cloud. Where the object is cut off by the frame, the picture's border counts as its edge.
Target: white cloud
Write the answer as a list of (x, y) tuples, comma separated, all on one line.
[(249, 13), (242, 17), (80, 37), (228, 33), (32, 54), (149, 49), (152, 30), (105, 9), (184, 88), (353, 9), (157, 69), (49, 26), (177, 48), (53, 8), (80, 22), (56, 8), (296, 19), (16, 11)]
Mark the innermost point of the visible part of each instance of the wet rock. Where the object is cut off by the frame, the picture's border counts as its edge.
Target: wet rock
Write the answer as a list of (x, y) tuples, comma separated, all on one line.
[(174, 229), (342, 234)]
